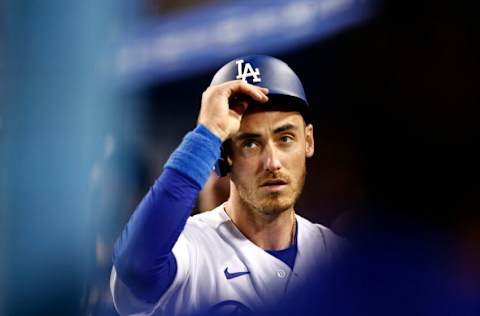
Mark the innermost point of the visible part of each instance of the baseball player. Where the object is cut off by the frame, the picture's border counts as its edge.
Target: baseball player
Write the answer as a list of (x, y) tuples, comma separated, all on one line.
[(253, 249)]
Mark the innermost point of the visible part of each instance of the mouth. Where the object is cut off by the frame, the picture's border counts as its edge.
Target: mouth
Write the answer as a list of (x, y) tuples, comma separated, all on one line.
[(274, 185)]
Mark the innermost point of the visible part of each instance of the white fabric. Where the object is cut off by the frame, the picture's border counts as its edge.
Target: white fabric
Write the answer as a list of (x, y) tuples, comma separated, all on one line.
[(209, 244)]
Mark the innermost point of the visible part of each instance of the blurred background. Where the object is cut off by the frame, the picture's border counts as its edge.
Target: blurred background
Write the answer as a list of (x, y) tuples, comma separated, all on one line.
[(94, 96)]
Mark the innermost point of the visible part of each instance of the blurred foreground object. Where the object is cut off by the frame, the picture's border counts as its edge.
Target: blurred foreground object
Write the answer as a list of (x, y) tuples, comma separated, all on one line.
[(55, 102)]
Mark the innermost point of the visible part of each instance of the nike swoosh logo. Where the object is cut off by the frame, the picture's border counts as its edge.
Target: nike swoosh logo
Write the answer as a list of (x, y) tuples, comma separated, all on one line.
[(233, 275)]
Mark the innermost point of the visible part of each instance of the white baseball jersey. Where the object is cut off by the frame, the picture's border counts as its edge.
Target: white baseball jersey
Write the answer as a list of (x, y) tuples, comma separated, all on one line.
[(219, 268)]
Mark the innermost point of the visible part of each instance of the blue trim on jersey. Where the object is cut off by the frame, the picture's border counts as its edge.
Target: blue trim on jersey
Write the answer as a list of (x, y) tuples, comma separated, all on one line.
[(199, 151), (142, 255), (287, 255)]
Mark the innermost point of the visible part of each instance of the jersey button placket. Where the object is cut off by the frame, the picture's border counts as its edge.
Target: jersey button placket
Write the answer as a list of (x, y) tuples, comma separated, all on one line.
[(281, 274)]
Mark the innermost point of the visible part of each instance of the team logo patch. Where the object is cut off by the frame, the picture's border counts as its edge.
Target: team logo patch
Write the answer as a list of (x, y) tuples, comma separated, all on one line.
[(246, 71), (230, 308)]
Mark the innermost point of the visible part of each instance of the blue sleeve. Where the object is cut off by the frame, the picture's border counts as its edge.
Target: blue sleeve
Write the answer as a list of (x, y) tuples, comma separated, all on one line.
[(142, 255)]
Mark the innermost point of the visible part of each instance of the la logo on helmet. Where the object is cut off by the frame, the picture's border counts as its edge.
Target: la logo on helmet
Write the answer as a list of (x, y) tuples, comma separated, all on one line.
[(247, 71)]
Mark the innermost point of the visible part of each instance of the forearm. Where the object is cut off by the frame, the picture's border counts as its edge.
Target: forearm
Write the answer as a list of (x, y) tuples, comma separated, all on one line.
[(143, 255)]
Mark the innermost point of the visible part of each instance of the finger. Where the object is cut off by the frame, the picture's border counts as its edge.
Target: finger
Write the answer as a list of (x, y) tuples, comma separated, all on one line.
[(241, 87), (240, 107)]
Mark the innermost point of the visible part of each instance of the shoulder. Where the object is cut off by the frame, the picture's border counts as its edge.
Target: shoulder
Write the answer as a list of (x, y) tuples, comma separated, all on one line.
[(205, 224), (212, 218), (319, 234), (314, 228)]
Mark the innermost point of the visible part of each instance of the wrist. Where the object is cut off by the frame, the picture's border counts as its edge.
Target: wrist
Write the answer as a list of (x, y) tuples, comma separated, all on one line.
[(215, 130), (196, 155)]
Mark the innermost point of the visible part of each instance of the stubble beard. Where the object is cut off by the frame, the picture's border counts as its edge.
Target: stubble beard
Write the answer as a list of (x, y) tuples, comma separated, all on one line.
[(270, 203)]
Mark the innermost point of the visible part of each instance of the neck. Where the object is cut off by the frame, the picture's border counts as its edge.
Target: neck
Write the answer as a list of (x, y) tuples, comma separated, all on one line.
[(269, 232)]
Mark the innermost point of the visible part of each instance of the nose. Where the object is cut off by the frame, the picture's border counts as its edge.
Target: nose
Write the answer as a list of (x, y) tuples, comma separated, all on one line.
[(271, 158)]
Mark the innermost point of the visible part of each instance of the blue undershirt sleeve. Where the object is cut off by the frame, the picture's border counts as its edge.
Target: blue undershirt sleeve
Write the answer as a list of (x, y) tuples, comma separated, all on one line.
[(142, 254)]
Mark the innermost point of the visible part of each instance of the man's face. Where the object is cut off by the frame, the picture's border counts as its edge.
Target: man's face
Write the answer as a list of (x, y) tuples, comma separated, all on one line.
[(268, 160)]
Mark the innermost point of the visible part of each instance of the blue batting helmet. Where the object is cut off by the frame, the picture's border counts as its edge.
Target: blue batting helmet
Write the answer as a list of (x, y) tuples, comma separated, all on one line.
[(283, 84)]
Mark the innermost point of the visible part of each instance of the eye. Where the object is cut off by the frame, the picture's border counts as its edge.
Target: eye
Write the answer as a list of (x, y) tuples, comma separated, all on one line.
[(286, 139), (250, 144)]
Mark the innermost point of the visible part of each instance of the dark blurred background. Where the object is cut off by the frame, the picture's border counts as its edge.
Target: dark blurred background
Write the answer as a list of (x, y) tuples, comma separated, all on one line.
[(393, 85)]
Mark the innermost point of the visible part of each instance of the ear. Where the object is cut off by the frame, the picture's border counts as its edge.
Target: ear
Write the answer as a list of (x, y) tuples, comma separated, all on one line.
[(309, 142), (227, 152)]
